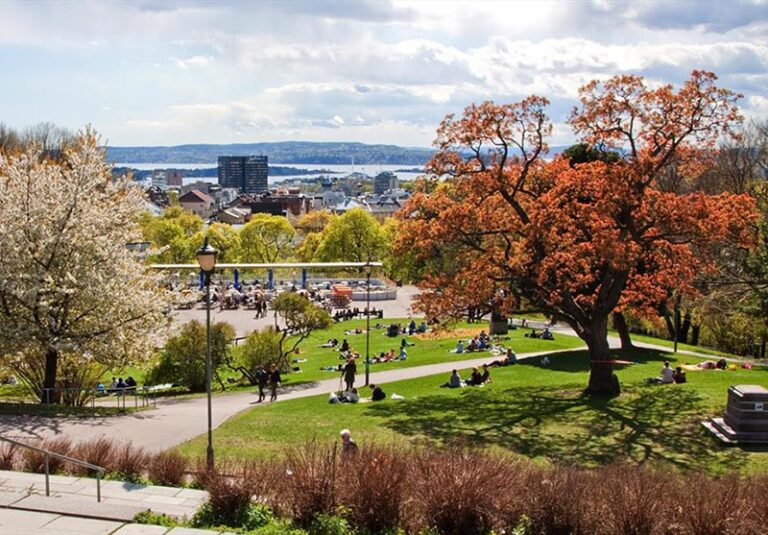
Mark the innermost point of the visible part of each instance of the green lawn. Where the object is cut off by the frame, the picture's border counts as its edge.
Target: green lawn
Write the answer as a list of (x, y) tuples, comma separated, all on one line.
[(536, 412), (681, 347), (427, 349)]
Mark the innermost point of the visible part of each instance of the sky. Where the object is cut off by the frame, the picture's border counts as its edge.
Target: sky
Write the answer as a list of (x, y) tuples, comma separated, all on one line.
[(173, 72)]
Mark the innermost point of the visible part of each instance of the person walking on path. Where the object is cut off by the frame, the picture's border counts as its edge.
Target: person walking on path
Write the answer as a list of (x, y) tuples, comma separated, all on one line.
[(262, 378), (274, 382), (350, 369), (348, 446)]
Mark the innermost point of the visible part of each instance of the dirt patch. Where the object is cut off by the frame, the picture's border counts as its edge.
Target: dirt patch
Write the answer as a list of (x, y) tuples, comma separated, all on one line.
[(450, 333)]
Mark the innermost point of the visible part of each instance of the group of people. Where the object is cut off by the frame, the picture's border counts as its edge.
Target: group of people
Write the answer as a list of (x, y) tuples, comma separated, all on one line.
[(476, 378), (669, 376), (269, 378), (397, 329), (117, 386), (479, 342), (546, 334), (352, 313)]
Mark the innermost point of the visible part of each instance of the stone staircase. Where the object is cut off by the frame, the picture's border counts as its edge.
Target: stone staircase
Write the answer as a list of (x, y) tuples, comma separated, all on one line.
[(72, 507)]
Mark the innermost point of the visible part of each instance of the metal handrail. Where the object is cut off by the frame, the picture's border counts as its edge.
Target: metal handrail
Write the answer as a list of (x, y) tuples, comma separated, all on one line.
[(48, 454)]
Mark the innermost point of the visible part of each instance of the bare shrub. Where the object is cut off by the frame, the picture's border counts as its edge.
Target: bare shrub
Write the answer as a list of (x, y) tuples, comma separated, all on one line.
[(229, 498), (555, 499), (309, 484), (713, 506), (34, 461), (457, 490), (98, 451), (373, 487), (129, 461), (8, 455), (168, 468), (629, 500)]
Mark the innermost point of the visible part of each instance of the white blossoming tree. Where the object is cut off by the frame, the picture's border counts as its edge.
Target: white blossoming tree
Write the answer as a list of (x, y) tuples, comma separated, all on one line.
[(73, 299)]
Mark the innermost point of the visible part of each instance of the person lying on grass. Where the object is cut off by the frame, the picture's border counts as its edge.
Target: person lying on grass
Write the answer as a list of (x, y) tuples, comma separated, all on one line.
[(509, 359)]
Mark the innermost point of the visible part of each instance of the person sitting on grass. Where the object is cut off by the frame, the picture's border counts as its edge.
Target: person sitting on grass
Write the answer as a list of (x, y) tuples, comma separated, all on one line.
[(459, 347), (403, 354), (473, 345), (666, 377), (486, 376), (344, 346), (679, 375), (722, 364), (352, 396), (509, 359), (454, 381), (377, 394), (476, 379), (547, 334)]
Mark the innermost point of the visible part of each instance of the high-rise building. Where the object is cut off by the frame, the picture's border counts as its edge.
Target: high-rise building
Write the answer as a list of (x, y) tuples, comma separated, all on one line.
[(384, 182), (246, 173)]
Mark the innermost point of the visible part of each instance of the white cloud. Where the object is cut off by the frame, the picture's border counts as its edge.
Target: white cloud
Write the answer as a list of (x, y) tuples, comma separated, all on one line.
[(177, 72), (194, 61)]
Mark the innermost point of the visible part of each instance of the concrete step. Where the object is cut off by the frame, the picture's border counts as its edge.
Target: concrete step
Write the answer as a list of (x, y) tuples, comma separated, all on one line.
[(82, 508)]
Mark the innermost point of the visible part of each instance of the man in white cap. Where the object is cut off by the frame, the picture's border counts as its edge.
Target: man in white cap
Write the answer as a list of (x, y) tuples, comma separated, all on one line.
[(347, 444)]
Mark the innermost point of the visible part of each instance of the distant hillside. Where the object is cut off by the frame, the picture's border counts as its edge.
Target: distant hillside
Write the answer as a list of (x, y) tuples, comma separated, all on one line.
[(291, 152)]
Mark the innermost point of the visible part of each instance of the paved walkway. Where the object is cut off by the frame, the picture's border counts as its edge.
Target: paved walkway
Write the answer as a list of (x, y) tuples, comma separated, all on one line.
[(177, 420), (72, 507)]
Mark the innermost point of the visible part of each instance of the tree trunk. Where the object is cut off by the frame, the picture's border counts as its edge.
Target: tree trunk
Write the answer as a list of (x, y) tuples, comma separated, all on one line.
[(670, 326), (49, 379), (620, 324), (695, 330), (683, 337), (602, 381)]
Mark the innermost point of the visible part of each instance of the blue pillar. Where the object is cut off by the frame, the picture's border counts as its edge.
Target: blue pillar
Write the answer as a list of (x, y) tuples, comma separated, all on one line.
[(304, 278), (202, 279), (270, 279)]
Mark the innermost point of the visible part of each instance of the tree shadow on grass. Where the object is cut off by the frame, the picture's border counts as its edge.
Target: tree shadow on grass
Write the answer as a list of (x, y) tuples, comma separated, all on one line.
[(647, 424), (578, 359)]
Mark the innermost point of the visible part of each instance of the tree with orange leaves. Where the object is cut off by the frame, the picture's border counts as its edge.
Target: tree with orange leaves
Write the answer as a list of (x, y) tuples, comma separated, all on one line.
[(497, 223)]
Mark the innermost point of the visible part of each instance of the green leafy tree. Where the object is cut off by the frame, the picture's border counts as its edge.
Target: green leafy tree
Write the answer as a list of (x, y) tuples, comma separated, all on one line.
[(300, 317), (261, 348), (175, 235), (306, 250), (266, 238), (225, 240), (354, 237), (182, 361)]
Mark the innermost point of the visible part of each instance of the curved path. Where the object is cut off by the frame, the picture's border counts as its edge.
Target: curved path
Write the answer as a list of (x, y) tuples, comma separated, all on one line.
[(177, 420)]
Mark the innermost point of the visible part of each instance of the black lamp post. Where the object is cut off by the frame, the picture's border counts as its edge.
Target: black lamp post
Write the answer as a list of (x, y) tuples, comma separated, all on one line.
[(206, 257), (367, 322)]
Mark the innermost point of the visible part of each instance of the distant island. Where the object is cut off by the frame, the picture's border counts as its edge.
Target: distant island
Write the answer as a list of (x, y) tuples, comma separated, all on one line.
[(290, 152), (205, 172), (410, 170)]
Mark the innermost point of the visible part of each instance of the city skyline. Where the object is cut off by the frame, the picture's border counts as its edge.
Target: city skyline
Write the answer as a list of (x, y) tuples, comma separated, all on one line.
[(169, 73)]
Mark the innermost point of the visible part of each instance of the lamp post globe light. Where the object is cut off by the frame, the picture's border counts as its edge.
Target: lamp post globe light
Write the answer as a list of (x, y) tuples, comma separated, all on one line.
[(367, 322), (206, 257)]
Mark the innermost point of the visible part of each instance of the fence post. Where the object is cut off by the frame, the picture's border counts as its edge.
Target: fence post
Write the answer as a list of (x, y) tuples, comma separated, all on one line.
[(98, 485), (47, 470)]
